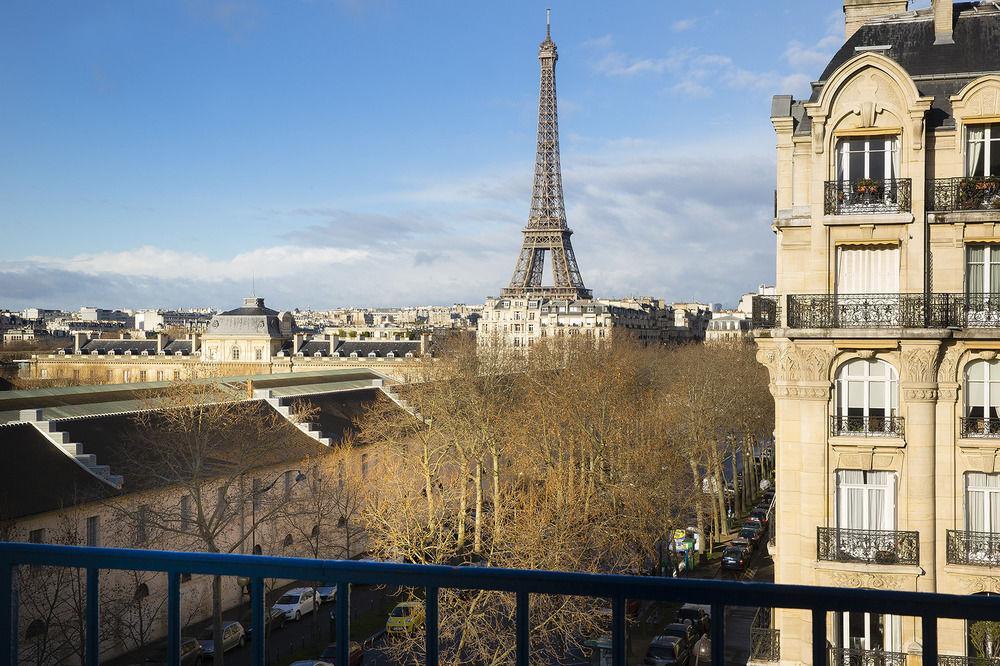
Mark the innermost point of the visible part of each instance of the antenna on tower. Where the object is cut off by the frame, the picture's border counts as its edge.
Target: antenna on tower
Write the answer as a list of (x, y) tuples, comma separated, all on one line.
[(548, 23), (253, 285)]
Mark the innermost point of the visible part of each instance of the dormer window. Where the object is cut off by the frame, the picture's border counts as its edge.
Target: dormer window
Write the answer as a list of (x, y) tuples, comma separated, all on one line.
[(128, 352), (336, 354), (145, 352), (983, 151), (372, 355), (409, 354), (390, 355), (111, 352), (95, 353), (317, 354), (354, 354)]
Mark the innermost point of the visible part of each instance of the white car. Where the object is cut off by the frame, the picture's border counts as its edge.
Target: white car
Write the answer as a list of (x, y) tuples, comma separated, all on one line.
[(297, 602), (327, 593)]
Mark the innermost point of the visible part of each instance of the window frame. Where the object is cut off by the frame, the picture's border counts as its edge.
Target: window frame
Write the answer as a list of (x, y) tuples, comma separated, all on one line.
[(842, 166), (990, 141)]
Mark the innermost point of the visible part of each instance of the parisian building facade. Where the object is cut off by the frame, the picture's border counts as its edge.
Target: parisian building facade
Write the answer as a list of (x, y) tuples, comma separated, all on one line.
[(883, 338)]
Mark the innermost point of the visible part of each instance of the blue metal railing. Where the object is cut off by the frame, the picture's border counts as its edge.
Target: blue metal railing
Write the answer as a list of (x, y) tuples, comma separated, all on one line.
[(716, 593)]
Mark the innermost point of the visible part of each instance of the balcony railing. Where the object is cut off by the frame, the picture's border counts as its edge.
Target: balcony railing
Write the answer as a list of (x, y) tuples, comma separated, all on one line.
[(855, 657), (893, 311), (432, 578), (834, 544), (765, 312), (765, 640), (964, 193), (867, 196), (974, 427), (976, 548), (952, 660), (866, 426)]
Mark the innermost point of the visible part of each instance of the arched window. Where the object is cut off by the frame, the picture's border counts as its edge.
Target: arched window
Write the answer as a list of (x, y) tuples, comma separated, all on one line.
[(236, 353), (867, 399), (982, 398)]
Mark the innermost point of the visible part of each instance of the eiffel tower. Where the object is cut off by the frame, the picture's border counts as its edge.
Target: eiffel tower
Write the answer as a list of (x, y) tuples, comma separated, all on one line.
[(547, 230)]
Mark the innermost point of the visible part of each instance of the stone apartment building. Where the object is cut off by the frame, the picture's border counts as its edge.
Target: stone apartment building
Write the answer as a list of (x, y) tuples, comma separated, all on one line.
[(883, 341), (71, 476)]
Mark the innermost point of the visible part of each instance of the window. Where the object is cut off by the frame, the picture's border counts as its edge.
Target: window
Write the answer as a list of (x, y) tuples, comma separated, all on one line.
[(159, 375), (258, 354), (37, 536), (862, 158), (94, 531), (177, 375), (142, 375), (982, 270), (235, 354), (982, 502), (126, 376), (867, 397), (866, 500), (868, 270), (185, 510), (982, 389), (983, 151)]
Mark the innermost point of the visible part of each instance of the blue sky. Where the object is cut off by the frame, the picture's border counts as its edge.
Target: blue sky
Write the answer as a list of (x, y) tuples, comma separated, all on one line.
[(379, 152)]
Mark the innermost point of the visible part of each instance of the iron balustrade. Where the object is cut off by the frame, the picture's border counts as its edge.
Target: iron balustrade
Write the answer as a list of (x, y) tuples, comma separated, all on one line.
[(976, 548), (765, 640), (866, 426), (893, 311), (963, 193), (867, 196), (834, 544), (974, 427), (717, 593), (765, 312), (859, 657), (953, 660)]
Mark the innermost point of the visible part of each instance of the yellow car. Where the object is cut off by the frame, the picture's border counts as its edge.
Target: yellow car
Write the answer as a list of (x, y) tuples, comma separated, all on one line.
[(405, 618)]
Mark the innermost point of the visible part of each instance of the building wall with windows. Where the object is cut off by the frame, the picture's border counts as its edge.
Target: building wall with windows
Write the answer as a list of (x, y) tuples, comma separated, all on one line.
[(883, 337)]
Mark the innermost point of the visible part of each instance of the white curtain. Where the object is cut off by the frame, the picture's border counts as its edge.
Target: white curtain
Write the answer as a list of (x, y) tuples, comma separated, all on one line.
[(867, 270), (983, 502), (974, 165), (866, 500)]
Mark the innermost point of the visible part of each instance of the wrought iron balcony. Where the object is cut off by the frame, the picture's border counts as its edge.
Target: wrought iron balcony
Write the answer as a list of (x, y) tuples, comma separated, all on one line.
[(866, 426), (952, 660), (893, 311), (976, 427), (854, 657), (765, 640), (522, 584), (867, 196), (765, 312), (834, 544), (976, 548), (963, 193)]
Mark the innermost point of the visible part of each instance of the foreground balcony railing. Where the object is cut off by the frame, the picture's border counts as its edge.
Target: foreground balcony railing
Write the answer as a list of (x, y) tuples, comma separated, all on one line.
[(964, 193), (855, 657), (866, 196), (765, 640), (979, 427), (834, 544), (522, 583), (951, 660), (866, 426), (976, 548)]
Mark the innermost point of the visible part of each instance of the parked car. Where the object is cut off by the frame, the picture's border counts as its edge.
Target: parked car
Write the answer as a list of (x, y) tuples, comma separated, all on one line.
[(310, 662), (190, 653), (405, 618), (233, 635), (735, 558), (274, 619), (751, 533), (760, 515), (754, 520), (297, 602), (666, 651), (697, 615), (355, 658), (326, 593), (683, 631)]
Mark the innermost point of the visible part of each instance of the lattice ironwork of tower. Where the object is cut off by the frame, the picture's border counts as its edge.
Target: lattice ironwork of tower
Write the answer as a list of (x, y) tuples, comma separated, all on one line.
[(547, 230)]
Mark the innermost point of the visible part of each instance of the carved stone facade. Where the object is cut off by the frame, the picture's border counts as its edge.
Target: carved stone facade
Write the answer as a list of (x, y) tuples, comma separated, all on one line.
[(919, 429)]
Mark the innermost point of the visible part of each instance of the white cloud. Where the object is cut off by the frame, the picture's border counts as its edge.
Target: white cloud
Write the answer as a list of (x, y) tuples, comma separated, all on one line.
[(681, 25)]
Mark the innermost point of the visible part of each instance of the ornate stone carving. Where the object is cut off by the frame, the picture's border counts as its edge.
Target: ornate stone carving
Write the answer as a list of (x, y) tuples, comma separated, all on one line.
[(920, 395), (984, 102), (949, 364), (801, 392), (814, 362), (870, 581), (867, 88), (919, 364), (866, 354), (980, 584), (949, 393), (987, 354)]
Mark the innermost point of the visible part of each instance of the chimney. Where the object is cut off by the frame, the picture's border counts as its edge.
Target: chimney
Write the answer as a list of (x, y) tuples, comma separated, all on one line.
[(334, 341), (859, 12), (296, 343), (78, 338), (425, 343), (944, 21), (195, 342), (161, 339)]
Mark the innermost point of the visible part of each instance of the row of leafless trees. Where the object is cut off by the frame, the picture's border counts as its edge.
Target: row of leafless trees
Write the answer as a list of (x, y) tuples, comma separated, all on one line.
[(577, 457)]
